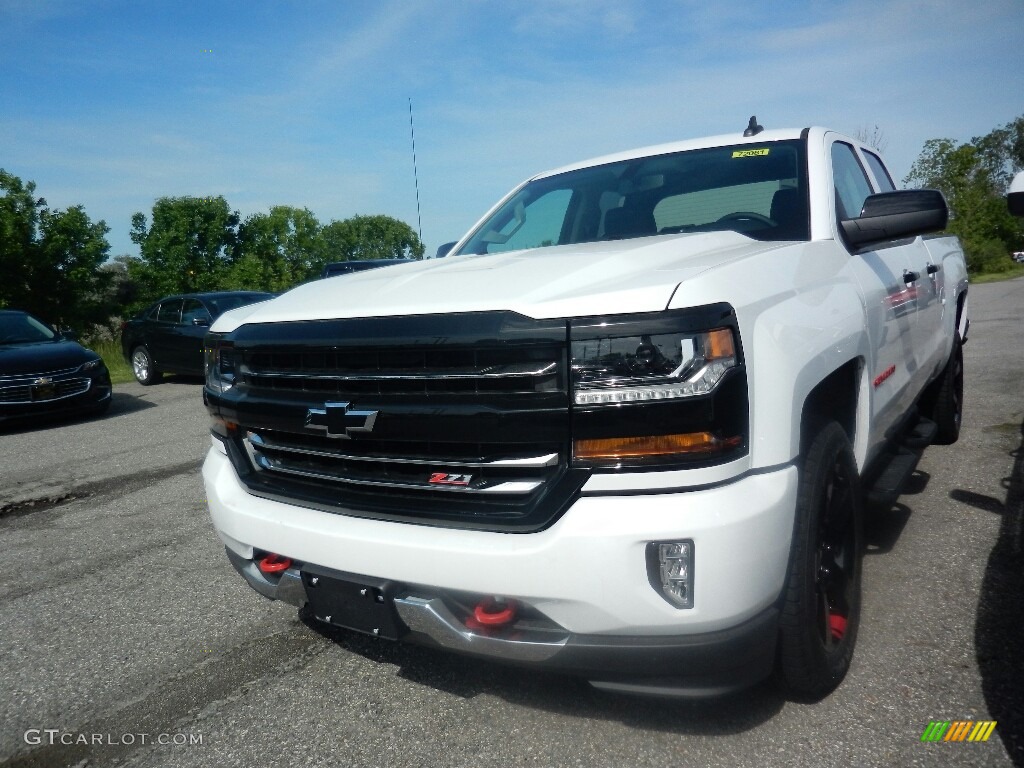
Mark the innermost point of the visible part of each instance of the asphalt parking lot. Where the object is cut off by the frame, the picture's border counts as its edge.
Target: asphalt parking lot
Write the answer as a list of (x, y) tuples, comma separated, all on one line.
[(126, 637)]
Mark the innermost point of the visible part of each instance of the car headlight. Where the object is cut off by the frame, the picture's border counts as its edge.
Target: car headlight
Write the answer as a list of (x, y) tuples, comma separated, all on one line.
[(219, 362), (662, 388), (91, 365), (634, 368)]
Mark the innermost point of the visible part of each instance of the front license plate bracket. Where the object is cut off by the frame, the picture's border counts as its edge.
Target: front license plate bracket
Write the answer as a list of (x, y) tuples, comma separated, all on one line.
[(360, 604)]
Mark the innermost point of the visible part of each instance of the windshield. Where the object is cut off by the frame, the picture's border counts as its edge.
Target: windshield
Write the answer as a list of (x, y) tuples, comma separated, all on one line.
[(17, 328), (758, 190)]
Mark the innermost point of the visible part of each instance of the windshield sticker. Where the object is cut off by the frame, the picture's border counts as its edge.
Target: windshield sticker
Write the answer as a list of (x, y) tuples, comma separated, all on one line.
[(750, 153)]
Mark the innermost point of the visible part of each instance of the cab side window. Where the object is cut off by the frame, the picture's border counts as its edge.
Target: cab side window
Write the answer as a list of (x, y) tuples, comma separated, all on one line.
[(882, 176), (851, 182)]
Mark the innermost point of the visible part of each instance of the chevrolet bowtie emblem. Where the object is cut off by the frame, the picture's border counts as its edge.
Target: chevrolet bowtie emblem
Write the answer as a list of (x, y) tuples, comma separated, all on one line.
[(337, 420)]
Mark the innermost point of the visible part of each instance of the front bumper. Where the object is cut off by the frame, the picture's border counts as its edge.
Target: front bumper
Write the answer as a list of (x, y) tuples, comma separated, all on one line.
[(586, 576)]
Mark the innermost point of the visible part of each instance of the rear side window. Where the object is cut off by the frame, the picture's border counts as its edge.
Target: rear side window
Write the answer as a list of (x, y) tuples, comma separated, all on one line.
[(881, 174), (851, 183), (169, 312), (194, 310)]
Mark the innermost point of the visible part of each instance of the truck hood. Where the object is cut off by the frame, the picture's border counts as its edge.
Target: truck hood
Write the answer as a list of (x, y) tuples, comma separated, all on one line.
[(637, 275)]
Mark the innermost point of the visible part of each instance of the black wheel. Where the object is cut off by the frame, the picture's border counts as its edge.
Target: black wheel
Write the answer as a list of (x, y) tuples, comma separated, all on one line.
[(821, 601), (142, 366), (943, 403)]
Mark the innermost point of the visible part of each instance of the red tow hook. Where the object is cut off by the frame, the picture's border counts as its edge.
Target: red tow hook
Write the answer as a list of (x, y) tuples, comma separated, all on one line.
[(490, 613), (275, 563)]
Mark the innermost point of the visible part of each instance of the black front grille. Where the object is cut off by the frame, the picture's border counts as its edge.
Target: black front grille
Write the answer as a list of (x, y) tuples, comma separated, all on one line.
[(450, 420), (406, 371)]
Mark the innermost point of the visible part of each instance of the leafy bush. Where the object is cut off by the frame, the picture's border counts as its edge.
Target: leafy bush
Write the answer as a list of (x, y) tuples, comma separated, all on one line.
[(988, 256)]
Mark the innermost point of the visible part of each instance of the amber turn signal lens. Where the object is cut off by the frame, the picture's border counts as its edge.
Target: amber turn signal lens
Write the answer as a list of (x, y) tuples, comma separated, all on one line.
[(718, 344), (654, 445)]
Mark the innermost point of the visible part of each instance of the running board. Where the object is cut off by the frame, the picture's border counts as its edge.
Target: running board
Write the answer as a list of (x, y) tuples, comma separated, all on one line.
[(895, 468)]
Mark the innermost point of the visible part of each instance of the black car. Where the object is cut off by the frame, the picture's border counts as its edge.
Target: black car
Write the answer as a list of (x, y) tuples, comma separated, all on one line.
[(168, 335), (43, 372)]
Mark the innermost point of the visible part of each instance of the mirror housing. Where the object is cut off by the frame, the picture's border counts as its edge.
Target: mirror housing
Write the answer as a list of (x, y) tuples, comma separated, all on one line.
[(897, 215), (1015, 195), (442, 250)]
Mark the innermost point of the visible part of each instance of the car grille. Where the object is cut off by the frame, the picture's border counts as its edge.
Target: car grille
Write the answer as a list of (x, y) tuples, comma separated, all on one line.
[(41, 387), (470, 429)]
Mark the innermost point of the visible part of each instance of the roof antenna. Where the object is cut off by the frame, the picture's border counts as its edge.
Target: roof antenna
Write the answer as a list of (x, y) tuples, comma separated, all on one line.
[(752, 127), (415, 174)]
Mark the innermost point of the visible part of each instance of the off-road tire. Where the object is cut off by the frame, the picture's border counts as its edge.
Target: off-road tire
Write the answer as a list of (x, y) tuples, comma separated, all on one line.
[(820, 605), (943, 401)]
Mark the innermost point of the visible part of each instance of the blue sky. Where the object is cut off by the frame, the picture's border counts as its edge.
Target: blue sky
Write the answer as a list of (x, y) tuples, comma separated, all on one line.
[(112, 104)]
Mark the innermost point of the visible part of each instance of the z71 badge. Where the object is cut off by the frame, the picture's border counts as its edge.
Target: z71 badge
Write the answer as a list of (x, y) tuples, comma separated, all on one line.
[(443, 478)]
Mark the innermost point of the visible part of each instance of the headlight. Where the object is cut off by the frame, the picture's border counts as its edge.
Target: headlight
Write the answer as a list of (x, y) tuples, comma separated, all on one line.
[(219, 363), (91, 365), (622, 361), (665, 389)]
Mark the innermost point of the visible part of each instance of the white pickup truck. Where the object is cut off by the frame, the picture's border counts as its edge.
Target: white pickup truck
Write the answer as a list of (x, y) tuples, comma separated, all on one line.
[(626, 429)]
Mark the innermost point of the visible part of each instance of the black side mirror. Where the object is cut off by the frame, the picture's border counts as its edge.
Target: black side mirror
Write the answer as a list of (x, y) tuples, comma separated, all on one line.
[(1015, 195), (67, 334), (896, 215), (442, 250)]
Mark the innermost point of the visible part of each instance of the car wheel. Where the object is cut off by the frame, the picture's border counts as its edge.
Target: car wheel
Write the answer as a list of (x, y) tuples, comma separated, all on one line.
[(944, 401), (821, 600), (142, 366)]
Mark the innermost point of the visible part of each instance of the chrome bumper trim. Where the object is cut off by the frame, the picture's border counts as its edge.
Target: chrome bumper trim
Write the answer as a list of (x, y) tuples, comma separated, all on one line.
[(431, 618), (288, 587)]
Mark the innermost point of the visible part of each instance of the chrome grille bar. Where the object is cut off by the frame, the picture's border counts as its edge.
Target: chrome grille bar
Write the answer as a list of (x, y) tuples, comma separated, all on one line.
[(526, 462), (266, 463), (28, 378)]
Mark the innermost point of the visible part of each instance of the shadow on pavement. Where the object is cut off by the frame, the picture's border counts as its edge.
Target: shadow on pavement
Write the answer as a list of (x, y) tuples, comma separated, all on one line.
[(120, 403), (883, 528), (998, 634), (561, 694)]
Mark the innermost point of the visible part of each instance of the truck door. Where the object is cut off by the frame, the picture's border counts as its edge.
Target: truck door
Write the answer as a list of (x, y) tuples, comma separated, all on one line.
[(927, 287), (889, 301)]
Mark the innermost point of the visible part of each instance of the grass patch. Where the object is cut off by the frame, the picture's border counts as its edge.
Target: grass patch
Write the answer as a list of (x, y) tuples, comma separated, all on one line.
[(1017, 270), (110, 351)]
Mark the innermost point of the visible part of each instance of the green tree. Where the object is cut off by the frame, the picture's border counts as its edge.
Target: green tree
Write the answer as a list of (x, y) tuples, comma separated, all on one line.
[(973, 176), (276, 250), (187, 247), (50, 259), (19, 222), (370, 237)]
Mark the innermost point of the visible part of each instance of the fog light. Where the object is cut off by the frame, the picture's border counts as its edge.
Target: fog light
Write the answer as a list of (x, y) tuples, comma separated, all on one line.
[(670, 570)]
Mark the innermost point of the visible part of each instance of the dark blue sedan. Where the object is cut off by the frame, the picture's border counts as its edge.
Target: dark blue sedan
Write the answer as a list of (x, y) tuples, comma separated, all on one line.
[(43, 373)]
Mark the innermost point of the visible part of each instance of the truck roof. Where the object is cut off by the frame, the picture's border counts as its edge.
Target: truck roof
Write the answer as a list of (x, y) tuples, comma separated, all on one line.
[(781, 134)]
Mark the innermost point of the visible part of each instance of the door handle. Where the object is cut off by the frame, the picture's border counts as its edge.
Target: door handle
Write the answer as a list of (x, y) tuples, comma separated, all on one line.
[(932, 269), (910, 277)]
